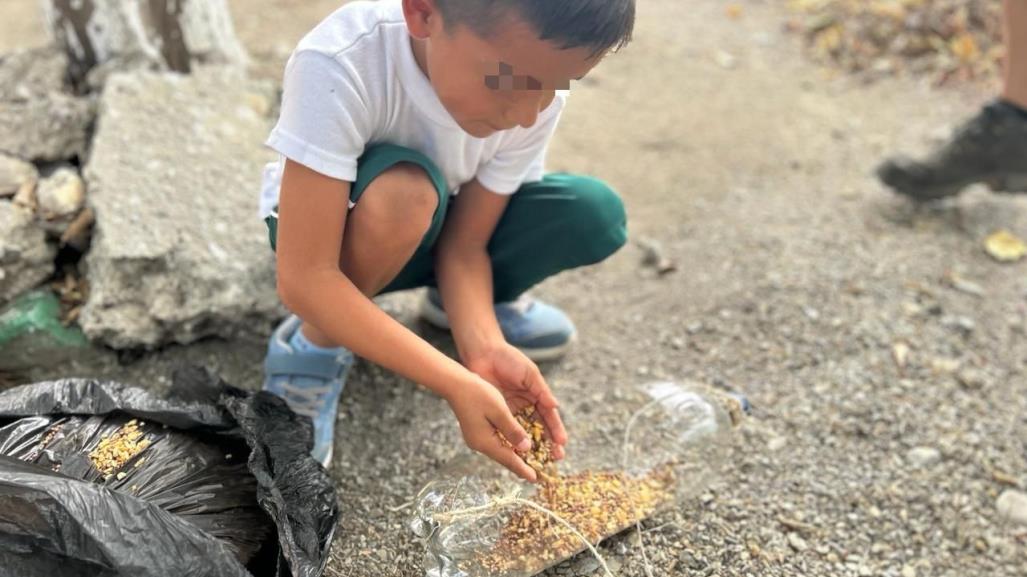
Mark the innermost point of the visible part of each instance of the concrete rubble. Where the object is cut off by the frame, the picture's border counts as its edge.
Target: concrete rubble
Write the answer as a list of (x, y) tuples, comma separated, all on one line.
[(25, 257), (40, 120), (178, 253)]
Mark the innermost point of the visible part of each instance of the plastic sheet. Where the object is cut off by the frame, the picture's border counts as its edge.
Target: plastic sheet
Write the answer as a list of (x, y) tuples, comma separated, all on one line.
[(97, 478), (477, 520)]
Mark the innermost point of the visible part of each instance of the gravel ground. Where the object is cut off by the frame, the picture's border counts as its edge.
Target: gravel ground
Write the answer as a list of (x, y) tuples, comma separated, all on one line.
[(884, 351)]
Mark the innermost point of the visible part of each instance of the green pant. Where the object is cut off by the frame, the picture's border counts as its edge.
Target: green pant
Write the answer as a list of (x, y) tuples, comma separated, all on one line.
[(562, 222)]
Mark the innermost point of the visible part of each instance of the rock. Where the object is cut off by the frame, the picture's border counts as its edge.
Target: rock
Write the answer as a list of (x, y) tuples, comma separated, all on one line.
[(61, 194), (178, 253), (964, 324), (963, 285), (775, 444), (725, 59), (16, 176), (653, 256), (1012, 505), (47, 128), (39, 120), (908, 571), (973, 379), (944, 366), (900, 354), (25, 74), (587, 564), (923, 457), (25, 258), (797, 542)]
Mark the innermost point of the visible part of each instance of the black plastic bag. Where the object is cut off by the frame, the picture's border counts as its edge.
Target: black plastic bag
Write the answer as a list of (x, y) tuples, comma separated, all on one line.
[(189, 502)]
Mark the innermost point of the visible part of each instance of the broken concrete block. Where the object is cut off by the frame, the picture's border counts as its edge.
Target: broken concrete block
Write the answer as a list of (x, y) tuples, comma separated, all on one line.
[(15, 176), (46, 128), (178, 253), (26, 259), (25, 74)]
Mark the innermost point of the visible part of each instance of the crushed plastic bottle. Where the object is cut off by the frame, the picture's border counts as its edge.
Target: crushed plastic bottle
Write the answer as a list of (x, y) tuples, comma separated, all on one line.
[(478, 520)]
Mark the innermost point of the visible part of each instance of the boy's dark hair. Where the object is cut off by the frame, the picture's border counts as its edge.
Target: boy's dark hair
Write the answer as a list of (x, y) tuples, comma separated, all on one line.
[(596, 24)]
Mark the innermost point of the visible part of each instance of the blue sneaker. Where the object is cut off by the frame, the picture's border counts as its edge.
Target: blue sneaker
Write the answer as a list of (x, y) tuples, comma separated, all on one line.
[(310, 383), (541, 331)]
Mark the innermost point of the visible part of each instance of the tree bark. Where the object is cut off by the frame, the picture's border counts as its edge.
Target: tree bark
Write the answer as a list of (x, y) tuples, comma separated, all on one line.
[(167, 34)]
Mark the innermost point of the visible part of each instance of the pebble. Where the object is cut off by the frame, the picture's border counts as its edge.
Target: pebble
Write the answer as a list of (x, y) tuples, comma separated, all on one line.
[(944, 366), (965, 324), (777, 443), (908, 571), (61, 194), (586, 565), (965, 286), (922, 457), (1012, 506), (725, 59), (797, 542), (972, 379)]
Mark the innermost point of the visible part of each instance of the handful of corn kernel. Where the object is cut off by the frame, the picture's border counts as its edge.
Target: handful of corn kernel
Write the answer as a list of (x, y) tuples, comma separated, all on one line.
[(540, 456)]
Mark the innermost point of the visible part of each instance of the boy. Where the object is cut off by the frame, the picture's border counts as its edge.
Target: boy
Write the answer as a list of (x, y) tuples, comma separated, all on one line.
[(412, 136)]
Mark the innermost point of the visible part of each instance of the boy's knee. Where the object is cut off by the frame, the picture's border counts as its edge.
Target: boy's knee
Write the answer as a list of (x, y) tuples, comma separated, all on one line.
[(401, 201), (599, 217)]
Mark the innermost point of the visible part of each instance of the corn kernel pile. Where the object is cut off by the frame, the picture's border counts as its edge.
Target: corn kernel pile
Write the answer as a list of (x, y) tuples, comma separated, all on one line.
[(116, 449), (597, 504)]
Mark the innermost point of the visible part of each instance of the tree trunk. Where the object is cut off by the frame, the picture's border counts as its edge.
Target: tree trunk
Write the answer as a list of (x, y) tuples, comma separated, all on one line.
[(168, 34)]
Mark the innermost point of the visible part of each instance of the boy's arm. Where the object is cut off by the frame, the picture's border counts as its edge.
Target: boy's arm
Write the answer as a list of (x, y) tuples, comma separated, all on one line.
[(464, 272), (310, 235)]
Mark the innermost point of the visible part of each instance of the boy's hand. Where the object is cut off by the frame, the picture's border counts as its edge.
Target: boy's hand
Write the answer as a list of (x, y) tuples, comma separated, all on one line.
[(481, 411), (521, 384)]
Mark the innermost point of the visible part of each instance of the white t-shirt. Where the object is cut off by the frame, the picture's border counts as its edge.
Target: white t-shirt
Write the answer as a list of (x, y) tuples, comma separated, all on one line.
[(353, 81)]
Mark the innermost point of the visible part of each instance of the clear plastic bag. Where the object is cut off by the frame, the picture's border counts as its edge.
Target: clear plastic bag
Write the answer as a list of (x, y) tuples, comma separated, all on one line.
[(477, 520)]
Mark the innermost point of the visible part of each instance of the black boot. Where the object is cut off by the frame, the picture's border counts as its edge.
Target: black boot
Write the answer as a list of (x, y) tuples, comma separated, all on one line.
[(990, 148)]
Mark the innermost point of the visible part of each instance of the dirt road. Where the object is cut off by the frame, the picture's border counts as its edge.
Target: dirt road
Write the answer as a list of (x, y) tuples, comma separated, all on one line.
[(798, 276)]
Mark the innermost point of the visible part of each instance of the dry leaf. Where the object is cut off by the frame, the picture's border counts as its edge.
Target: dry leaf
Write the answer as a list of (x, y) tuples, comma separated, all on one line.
[(965, 47), (1004, 246)]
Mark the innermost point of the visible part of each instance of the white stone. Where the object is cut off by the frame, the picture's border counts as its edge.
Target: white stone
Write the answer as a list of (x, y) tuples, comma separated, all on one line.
[(61, 194), (922, 457), (1012, 505)]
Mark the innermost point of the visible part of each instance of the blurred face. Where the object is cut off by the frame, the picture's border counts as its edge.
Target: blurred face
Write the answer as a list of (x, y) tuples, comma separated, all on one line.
[(491, 84)]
